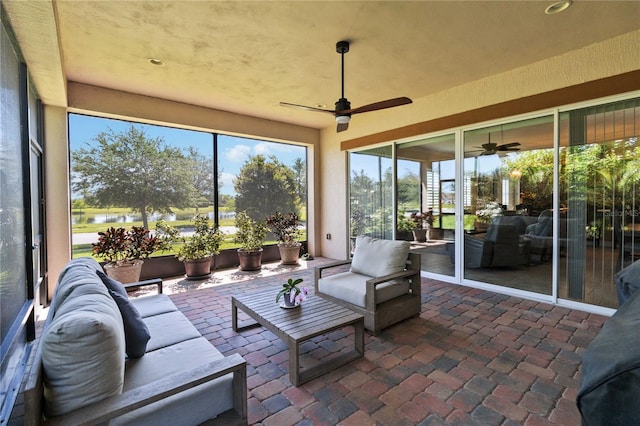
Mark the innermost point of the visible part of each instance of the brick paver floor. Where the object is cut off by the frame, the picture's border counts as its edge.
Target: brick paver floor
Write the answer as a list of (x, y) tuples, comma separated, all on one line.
[(471, 357)]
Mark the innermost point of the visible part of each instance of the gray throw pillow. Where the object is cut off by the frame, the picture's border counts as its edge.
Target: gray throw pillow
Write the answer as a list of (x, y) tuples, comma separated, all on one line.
[(136, 332)]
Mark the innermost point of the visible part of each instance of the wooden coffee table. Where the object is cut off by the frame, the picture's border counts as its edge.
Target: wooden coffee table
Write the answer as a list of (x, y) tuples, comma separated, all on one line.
[(314, 317)]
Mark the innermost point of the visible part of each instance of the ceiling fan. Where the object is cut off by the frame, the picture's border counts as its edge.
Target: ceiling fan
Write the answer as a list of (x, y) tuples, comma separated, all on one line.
[(343, 110), (491, 148)]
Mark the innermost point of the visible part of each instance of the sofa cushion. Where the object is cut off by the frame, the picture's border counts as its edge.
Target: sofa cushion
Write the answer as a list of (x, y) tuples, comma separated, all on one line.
[(352, 288), (181, 329), (136, 333), (154, 305), (78, 277), (193, 406), (376, 258), (82, 353)]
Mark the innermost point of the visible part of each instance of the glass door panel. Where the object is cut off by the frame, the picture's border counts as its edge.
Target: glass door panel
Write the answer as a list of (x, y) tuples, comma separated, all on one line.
[(370, 193), (508, 205), (600, 181), (426, 200)]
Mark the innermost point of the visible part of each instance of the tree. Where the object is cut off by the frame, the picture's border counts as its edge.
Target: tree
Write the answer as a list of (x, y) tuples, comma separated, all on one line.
[(300, 170), (409, 190), (264, 187), (131, 170), (202, 168)]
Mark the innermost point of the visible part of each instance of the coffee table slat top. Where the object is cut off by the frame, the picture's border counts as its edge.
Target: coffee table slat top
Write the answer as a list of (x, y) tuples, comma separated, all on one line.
[(313, 317)]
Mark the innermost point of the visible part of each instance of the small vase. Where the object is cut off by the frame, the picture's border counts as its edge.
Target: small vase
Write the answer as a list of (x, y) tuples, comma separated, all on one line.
[(287, 300)]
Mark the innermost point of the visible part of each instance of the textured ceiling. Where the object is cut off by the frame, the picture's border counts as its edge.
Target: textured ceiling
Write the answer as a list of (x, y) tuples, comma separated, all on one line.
[(247, 56)]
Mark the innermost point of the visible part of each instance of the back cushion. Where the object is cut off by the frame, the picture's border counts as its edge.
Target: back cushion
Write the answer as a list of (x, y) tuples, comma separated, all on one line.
[(375, 257), (83, 349)]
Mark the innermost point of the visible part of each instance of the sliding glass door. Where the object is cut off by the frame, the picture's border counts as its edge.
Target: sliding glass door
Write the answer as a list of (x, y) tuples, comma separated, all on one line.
[(600, 176), (548, 205), (371, 193), (508, 205), (425, 209)]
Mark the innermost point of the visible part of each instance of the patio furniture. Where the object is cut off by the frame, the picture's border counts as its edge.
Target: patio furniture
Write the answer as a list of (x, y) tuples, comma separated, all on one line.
[(610, 375), (314, 317), (382, 284), (169, 375), (540, 234), (500, 247), (628, 282)]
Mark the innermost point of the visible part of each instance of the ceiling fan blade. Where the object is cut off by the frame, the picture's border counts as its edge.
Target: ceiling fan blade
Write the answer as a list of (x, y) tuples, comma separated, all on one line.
[(306, 108), (510, 145), (342, 127), (389, 103)]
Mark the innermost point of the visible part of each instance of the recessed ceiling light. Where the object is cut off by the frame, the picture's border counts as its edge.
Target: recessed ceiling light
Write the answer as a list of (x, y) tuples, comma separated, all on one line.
[(155, 61), (321, 105), (557, 7)]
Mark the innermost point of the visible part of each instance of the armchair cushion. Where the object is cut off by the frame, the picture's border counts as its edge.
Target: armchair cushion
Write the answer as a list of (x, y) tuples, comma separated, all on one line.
[(351, 287), (377, 258)]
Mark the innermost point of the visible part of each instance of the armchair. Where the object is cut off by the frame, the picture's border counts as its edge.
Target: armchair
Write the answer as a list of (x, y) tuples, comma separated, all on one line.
[(383, 283), (501, 247)]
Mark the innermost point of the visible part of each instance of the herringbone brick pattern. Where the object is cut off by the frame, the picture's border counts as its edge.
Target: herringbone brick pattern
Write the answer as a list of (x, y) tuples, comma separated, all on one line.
[(471, 357)]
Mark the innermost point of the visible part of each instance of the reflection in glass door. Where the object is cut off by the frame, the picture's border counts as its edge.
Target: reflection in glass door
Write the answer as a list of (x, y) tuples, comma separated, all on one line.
[(371, 193), (600, 181), (426, 200), (508, 205)]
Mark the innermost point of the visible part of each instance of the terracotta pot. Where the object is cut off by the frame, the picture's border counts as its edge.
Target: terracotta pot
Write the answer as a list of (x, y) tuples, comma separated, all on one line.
[(129, 273), (250, 260), (289, 253), (420, 235), (198, 269), (480, 226)]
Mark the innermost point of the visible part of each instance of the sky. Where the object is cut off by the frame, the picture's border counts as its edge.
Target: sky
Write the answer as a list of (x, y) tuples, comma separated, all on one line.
[(234, 151)]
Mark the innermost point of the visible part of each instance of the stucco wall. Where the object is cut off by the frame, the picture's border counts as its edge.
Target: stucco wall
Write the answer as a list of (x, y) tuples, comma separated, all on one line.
[(57, 192)]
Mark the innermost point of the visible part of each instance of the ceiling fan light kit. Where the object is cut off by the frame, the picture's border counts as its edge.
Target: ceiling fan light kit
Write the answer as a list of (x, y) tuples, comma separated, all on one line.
[(343, 119), (343, 111)]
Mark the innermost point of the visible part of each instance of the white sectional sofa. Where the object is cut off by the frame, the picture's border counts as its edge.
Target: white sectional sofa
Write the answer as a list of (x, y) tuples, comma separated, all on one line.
[(104, 358)]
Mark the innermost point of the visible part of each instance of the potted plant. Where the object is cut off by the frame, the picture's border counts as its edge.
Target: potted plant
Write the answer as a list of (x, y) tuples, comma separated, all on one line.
[(293, 295), (422, 224), (125, 250), (405, 227), (251, 235), (197, 250), (285, 228), (484, 215)]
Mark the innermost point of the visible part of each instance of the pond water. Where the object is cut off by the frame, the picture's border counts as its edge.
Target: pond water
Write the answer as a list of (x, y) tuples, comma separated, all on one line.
[(87, 218)]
